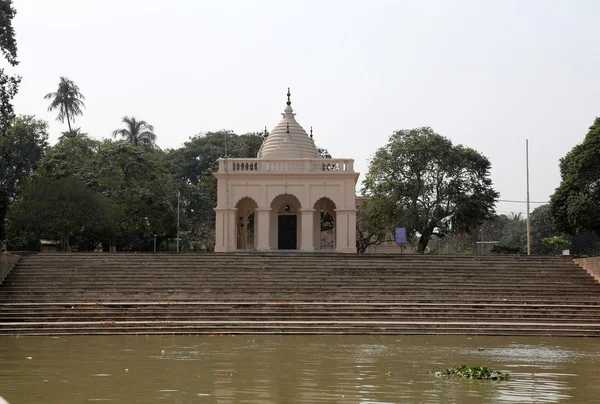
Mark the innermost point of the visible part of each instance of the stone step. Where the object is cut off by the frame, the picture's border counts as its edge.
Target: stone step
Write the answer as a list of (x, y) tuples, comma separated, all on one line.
[(280, 293)]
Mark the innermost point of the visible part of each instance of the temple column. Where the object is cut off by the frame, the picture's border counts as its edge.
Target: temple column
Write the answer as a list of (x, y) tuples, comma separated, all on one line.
[(307, 220), (231, 228), (262, 228), (225, 224), (345, 230)]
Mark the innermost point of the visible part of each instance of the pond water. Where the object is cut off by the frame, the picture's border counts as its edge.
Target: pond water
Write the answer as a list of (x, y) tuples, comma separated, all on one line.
[(294, 369)]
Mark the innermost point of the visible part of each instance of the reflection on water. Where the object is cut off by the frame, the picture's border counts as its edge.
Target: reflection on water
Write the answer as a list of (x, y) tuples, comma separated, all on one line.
[(294, 369)]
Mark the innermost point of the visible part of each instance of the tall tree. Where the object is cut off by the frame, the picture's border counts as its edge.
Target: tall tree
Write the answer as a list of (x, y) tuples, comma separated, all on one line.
[(575, 205), (138, 133), (68, 100), (9, 85), (432, 186), (21, 148)]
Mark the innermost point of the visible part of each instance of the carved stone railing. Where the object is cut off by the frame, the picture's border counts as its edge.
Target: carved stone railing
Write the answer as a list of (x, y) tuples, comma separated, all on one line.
[(286, 166)]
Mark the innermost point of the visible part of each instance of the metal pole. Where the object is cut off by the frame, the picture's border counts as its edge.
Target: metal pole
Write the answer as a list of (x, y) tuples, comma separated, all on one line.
[(227, 193), (155, 243), (528, 219), (178, 221)]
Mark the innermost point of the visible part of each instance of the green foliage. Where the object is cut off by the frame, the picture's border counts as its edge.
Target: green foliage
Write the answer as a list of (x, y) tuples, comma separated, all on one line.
[(473, 372), (372, 222), (192, 167), (22, 145), (137, 180), (62, 209), (575, 205), (433, 186), (138, 133), (9, 85), (557, 243), (75, 133), (511, 232), (68, 100), (505, 249)]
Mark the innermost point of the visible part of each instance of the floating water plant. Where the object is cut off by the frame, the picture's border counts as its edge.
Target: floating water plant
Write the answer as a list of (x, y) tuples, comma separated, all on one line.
[(473, 372)]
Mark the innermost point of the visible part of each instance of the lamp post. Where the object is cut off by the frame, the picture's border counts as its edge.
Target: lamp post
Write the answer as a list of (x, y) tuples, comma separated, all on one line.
[(155, 243)]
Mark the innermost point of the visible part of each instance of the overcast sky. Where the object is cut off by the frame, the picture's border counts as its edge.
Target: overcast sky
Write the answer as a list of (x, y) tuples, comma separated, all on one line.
[(486, 74)]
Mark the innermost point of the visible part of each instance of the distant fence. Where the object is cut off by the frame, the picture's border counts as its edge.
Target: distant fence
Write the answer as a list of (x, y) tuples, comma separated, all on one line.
[(591, 265), (7, 263)]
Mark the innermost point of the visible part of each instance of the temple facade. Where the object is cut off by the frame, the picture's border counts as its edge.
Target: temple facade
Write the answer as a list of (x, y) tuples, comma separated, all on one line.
[(287, 198)]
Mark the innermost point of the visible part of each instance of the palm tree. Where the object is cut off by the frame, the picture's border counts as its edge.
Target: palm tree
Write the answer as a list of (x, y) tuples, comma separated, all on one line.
[(137, 132), (75, 133), (67, 99)]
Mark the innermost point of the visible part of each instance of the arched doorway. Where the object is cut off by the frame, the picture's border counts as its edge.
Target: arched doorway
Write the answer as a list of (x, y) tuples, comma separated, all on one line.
[(324, 224), (245, 223), (285, 229)]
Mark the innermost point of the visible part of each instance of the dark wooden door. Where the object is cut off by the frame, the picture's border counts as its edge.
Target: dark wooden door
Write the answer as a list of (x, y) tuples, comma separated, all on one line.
[(286, 239)]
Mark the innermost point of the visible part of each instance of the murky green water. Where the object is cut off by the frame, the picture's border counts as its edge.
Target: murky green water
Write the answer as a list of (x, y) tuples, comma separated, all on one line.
[(287, 369)]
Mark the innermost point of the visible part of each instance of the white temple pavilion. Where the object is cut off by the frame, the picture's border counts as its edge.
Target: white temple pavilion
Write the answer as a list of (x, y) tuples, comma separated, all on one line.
[(288, 197)]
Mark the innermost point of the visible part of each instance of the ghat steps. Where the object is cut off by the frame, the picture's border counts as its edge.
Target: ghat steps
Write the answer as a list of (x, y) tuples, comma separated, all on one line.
[(66, 294)]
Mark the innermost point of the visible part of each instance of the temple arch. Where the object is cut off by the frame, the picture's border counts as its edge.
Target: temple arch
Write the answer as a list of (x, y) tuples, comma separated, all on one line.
[(245, 221), (285, 231), (324, 224)]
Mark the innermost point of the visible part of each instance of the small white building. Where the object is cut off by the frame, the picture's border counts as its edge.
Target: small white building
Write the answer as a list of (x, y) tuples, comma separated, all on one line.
[(288, 197)]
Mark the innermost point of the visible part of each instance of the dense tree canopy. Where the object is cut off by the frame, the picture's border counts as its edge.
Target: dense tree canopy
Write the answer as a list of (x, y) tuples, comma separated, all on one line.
[(575, 205), (62, 210), (9, 85), (22, 145), (433, 186), (192, 166)]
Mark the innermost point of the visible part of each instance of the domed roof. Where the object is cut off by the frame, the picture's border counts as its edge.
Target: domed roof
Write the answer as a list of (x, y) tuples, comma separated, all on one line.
[(288, 139)]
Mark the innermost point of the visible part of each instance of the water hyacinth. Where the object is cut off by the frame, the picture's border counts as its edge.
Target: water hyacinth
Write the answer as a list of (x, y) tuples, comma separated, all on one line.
[(473, 372)]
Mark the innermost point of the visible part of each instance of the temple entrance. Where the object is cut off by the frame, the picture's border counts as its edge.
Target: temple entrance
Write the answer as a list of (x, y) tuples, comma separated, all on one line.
[(325, 222), (245, 224), (287, 230)]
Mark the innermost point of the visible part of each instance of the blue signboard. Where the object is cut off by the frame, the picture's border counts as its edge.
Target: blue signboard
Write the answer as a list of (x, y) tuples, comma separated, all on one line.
[(400, 235)]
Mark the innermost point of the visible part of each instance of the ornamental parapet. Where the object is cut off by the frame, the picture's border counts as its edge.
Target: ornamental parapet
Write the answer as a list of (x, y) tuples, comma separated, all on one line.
[(253, 165)]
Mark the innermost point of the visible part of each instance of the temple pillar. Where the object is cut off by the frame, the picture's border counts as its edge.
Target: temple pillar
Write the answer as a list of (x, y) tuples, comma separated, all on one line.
[(307, 233), (225, 230), (262, 228), (345, 230)]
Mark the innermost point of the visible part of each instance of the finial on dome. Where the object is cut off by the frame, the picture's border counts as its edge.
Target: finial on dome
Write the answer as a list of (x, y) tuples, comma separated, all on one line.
[(288, 95), (266, 134), (311, 132)]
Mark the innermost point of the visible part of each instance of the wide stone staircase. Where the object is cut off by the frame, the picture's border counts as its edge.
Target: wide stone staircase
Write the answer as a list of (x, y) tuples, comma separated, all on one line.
[(297, 293)]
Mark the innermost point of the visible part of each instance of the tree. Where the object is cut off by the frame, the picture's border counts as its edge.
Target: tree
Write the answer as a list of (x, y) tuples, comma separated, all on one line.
[(138, 133), (192, 167), (68, 100), (72, 157), (60, 209), (9, 85), (372, 224), (575, 205), (138, 180), (75, 133), (432, 186), (21, 148)]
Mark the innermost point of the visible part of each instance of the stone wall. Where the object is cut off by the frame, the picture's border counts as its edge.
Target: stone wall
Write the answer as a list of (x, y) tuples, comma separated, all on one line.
[(7, 263), (591, 265)]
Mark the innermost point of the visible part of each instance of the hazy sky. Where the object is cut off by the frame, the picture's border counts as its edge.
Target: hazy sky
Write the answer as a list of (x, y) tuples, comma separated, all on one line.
[(486, 74)]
